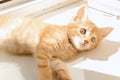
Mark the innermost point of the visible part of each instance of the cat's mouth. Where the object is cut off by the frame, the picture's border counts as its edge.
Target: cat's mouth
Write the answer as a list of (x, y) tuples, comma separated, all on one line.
[(79, 44), (82, 47)]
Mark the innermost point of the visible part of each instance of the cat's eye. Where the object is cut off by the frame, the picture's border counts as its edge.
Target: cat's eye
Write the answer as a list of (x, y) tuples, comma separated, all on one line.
[(93, 39), (83, 31)]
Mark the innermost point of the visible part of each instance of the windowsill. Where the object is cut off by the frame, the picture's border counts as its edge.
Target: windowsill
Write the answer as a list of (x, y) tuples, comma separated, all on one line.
[(108, 7), (13, 3), (38, 7)]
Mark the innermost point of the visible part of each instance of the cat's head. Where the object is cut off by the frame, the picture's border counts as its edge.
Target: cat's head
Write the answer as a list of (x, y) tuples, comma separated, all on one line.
[(84, 34)]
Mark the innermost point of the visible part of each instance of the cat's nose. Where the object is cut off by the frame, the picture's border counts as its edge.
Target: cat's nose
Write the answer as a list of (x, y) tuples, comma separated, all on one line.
[(86, 41)]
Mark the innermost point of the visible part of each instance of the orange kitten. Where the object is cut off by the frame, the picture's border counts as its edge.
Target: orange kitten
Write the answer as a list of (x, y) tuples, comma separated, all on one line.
[(50, 44)]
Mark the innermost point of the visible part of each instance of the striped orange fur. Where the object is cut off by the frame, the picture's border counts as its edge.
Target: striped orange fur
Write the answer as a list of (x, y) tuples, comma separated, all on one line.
[(50, 44)]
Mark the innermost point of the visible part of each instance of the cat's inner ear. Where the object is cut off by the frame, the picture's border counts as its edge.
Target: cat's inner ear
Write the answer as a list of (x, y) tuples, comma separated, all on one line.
[(81, 14), (104, 32)]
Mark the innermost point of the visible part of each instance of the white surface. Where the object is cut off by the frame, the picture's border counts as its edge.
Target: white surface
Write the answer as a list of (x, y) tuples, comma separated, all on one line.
[(101, 63), (17, 67)]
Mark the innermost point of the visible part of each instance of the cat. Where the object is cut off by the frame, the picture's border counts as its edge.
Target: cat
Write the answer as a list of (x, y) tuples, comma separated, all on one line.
[(51, 45)]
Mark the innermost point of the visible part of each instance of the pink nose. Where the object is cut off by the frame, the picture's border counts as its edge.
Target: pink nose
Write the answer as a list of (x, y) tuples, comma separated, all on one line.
[(86, 41)]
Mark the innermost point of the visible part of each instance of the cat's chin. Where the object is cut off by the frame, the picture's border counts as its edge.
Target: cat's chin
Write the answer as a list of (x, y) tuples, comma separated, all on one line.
[(83, 47), (80, 50)]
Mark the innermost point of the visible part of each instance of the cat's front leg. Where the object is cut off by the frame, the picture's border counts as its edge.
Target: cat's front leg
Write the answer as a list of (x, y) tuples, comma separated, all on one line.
[(60, 68), (44, 68)]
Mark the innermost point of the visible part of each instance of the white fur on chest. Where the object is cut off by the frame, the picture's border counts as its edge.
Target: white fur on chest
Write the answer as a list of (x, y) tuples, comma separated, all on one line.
[(78, 43)]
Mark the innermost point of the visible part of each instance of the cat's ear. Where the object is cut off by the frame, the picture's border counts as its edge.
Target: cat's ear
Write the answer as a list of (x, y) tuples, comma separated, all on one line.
[(81, 14), (104, 32)]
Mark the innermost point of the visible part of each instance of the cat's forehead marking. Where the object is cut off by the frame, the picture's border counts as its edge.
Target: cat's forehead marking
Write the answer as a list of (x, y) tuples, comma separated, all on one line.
[(78, 43), (83, 26), (86, 27)]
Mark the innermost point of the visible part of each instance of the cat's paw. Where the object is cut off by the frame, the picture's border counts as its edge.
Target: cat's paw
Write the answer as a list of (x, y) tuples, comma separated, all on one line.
[(63, 76)]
